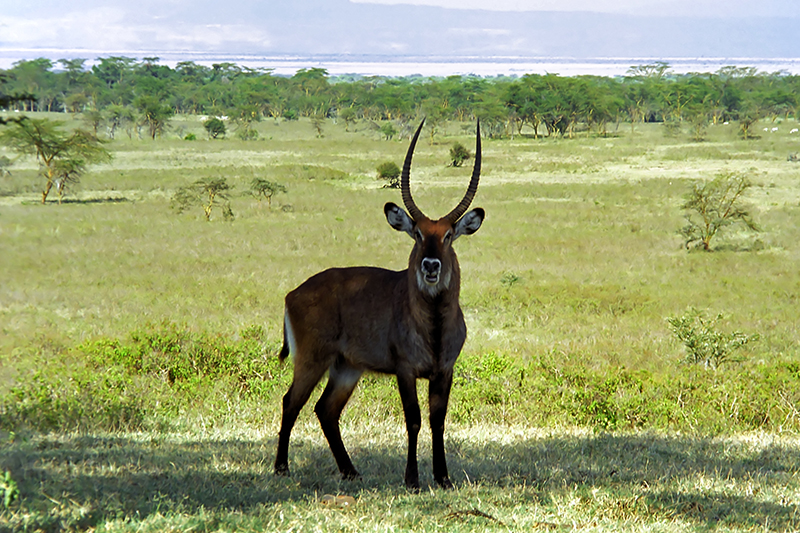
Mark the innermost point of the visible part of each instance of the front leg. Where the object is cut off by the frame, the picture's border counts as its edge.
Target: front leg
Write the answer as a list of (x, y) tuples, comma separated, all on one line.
[(408, 395), (439, 394)]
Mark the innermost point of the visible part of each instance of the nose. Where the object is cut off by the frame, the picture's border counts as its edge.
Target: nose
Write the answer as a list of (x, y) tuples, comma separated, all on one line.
[(431, 266)]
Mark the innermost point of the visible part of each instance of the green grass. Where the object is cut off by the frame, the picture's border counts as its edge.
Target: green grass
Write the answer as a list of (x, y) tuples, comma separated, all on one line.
[(139, 388), (508, 478)]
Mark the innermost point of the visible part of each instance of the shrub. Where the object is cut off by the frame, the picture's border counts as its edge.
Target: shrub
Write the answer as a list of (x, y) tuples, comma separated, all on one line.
[(160, 370), (704, 344), (390, 172), (458, 154), (247, 134), (388, 130)]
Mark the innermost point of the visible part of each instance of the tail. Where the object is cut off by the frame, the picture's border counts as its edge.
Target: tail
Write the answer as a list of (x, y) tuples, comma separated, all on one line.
[(289, 346), (285, 348)]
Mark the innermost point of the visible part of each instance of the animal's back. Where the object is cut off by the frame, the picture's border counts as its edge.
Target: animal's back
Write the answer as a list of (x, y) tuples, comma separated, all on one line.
[(344, 310)]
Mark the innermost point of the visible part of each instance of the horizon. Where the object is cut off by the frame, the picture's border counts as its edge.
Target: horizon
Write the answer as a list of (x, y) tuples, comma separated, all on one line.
[(415, 65), (390, 30)]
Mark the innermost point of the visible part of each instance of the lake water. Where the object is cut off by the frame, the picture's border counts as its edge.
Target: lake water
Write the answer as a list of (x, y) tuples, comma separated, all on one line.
[(424, 66)]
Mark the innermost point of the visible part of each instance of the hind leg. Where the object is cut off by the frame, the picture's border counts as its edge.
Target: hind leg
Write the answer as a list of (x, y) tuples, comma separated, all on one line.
[(342, 380), (305, 379)]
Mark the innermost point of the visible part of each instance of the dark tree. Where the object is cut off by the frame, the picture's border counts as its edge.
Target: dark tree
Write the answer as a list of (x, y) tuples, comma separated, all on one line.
[(215, 128)]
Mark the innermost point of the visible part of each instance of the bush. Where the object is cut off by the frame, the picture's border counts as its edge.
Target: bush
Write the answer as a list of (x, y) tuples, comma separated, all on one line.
[(161, 370), (247, 134), (388, 130), (458, 154), (390, 172), (704, 344)]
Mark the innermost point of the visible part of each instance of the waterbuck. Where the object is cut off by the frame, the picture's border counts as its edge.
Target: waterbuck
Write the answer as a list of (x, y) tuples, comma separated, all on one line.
[(351, 320)]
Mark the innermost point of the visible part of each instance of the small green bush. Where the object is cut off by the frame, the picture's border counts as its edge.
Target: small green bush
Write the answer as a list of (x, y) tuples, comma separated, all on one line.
[(458, 155), (390, 172), (704, 344), (388, 130)]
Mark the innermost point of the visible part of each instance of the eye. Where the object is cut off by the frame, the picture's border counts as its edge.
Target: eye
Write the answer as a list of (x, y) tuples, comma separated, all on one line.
[(418, 234), (447, 237)]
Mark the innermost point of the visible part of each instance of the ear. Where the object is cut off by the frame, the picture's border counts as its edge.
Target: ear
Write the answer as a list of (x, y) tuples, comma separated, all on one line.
[(469, 223), (398, 219)]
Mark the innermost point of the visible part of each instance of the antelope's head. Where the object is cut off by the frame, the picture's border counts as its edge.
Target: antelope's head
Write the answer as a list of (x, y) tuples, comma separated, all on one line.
[(433, 261)]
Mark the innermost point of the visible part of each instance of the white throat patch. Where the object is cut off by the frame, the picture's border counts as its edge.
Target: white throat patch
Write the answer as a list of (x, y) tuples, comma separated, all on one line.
[(435, 288)]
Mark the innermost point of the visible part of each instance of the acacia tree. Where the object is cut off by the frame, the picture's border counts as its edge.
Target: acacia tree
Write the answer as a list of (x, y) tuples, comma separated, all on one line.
[(155, 115), (63, 156), (318, 121), (117, 117), (215, 127), (714, 205), (262, 188), (245, 116), (749, 115), (348, 114), (7, 99), (206, 192)]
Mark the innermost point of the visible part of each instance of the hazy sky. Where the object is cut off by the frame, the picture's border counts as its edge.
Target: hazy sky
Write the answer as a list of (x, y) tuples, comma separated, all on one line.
[(566, 28), (694, 8)]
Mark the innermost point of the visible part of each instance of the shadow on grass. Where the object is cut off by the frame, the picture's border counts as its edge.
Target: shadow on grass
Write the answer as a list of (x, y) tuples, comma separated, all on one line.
[(106, 200), (644, 476), (78, 201)]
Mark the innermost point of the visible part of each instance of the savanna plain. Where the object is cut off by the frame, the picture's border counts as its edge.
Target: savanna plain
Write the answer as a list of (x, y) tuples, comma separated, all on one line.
[(140, 388)]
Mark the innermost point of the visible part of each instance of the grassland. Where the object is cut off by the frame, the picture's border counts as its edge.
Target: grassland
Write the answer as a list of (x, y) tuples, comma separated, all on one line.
[(139, 389)]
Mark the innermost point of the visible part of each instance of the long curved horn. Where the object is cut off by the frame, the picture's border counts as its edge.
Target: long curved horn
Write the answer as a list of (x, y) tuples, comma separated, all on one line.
[(462, 207), (405, 188)]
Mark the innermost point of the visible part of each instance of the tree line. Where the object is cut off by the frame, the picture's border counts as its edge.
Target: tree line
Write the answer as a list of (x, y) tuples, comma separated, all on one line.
[(118, 92)]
